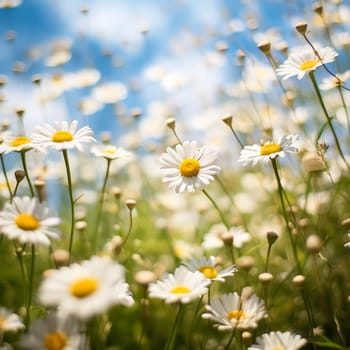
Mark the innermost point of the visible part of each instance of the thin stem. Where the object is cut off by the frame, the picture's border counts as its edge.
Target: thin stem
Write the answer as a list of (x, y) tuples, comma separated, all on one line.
[(71, 200), (328, 118), (228, 345), (284, 211), (236, 136), (30, 286), (19, 252), (193, 322), (171, 339), (130, 228), (6, 177), (267, 257), (217, 208), (24, 163), (345, 107), (100, 205)]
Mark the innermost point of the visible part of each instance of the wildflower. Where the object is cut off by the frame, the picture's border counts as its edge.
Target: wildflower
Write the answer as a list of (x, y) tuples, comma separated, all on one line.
[(208, 268), (10, 3), (301, 62), (183, 286), (9, 322), (111, 92), (269, 150), (56, 332), (331, 82), (86, 289), (278, 340), (110, 152), (188, 167), (214, 238), (62, 136), (29, 221), (230, 311), (5, 137), (20, 144)]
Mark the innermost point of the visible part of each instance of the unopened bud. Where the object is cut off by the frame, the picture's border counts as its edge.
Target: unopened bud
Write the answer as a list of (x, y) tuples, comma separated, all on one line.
[(145, 277), (245, 262), (227, 238), (40, 187), (170, 123), (271, 237), (60, 257), (301, 27), (221, 46), (227, 119), (19, 175), (312, 162), (265, 278), (130, 203), (313, 244), (36, 79), (318, 8), (81, 226), (299, 280), (265, 47)]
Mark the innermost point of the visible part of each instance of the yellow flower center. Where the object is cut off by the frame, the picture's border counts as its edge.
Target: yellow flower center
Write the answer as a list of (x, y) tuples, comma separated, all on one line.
[(279, 348), (308, 64), (19, 141), (55, 341), (237, 314), (189, 167), (84, 287), (62, 136), (110, 151), (270, 148), (3, 324), (208, 271), (27, 222), (180, 290)]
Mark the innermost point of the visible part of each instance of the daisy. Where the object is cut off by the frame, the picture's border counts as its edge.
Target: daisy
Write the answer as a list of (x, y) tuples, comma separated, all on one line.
[(56, 332), (29, 221), (301, 62), (230, 311), (208, 268), (269, 150), (110, 152), (279, 340), (20, 144), (331, 82), (188, 167), (9, 322), (86, 289), (213, 239), (5, 137), (62, 135), (183, 286)]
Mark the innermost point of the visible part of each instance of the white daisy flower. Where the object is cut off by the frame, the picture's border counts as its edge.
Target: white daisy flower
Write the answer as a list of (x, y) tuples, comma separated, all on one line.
[(183, 286), (303, 61), (29, 221), (57, 332), (230, 311), (5, 137), (278, 340), (62, 135), (110, 152), (20, 144), (269, 150), (331, 82), (86, 289), (213, 239), (207, 266), (9, 321), (188, 167)]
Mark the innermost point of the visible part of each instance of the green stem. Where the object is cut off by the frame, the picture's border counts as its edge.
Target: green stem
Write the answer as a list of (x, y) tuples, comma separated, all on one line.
[(129, 229), (284, 211), (71, 200), (100, 205), (217, 208), (236, 136), (171, 339), (328, 118), (24, 163), (30, 286), (345, 107), (228, 345), (193, 322), (5, 175)]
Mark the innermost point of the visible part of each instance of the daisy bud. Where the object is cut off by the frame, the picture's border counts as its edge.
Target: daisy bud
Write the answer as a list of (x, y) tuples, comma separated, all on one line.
[(81, 226), (265, 278), (227, 119), (318, 8), (221, 46), (60, 257), (145, 277), (299, 280), (116, 192), (18, 67), (227, 238), (265, 47), (247, 336), (41, 189), (271, 237), (170, 123), (313, 244), (114, 246), (36, 79), (136, 113), (105, 137), (246, 262), (312, 162), (241, 56), (19, 111), (346, 222), (84, 9), (304, 222), (247, 293), (19, 175), (130, 203), (301, 27), (3, 80)]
